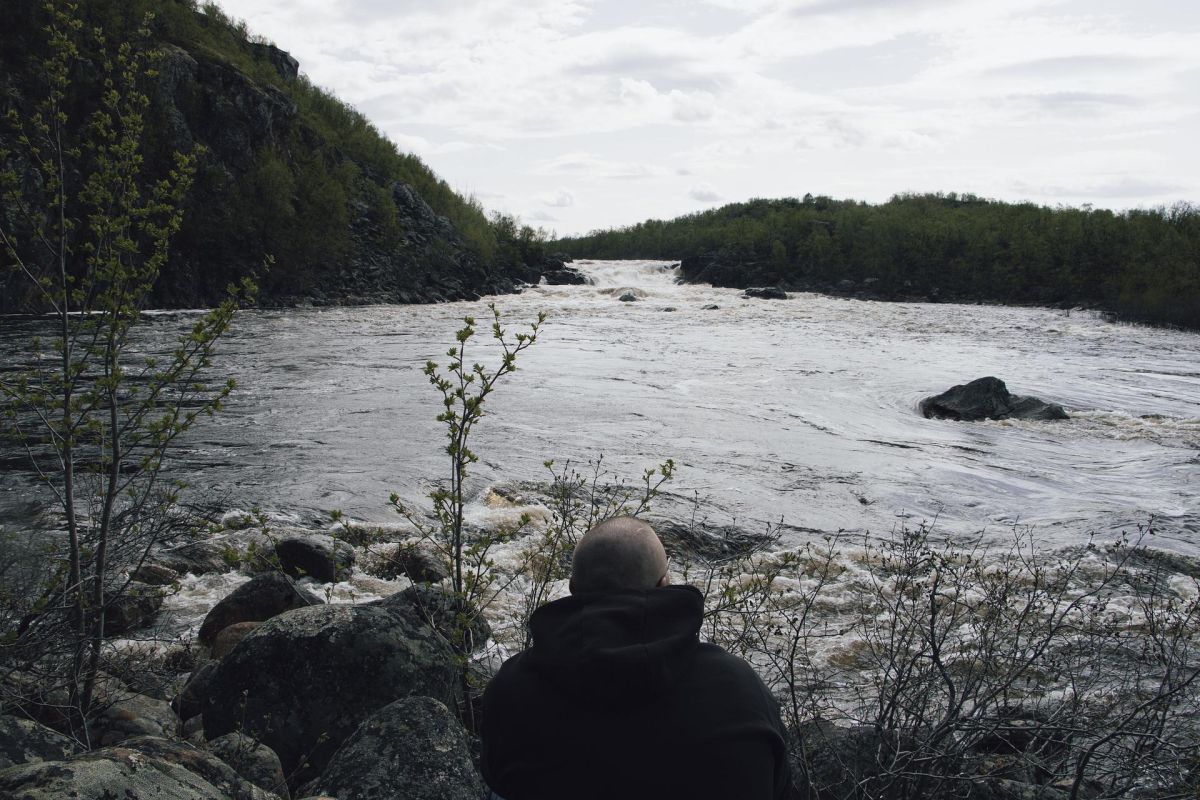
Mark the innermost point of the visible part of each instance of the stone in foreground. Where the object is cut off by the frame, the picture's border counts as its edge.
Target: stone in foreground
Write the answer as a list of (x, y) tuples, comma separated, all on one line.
[(987, 398), (413, 748), (305, 680)]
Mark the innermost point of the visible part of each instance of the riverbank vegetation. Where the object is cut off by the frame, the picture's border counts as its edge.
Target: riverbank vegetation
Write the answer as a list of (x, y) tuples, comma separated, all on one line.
[(1139, 264), (287, 169)]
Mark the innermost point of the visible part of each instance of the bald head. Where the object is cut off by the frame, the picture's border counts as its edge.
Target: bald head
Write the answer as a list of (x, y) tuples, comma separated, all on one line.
[(619, 554)]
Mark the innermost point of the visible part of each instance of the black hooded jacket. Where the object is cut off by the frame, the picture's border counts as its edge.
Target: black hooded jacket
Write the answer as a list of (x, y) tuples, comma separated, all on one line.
[(618, 699)]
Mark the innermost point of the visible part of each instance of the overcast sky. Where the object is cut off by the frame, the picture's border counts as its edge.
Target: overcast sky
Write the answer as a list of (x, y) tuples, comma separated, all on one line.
[(581, 114)]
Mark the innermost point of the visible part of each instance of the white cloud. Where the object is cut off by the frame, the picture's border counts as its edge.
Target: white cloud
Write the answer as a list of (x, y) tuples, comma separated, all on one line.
[(859, 98), (590, 166)]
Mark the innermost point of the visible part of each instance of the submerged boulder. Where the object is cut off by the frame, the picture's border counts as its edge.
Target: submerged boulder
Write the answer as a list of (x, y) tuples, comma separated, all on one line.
[(988, 398), (765, 293), (305, 680), (413, 748)]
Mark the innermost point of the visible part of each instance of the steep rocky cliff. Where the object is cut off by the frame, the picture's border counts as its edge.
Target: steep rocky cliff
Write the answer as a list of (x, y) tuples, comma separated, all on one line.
[(287, 170)]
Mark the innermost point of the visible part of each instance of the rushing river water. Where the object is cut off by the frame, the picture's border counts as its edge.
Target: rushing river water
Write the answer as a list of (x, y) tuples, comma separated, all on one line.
[(802, 410)]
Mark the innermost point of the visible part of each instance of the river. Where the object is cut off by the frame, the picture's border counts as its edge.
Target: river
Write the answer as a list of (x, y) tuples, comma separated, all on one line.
[(801, 410)]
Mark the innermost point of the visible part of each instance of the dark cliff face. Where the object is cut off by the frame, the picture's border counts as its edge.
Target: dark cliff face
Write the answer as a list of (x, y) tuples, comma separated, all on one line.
[(276, 178)]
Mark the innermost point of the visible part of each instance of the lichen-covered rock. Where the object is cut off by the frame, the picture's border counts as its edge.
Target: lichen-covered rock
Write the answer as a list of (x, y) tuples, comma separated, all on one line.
[(306, 679), (135, 715), (200, 762), (438, 608), (23, 741), (253, 760), (103, 775), (257, 600), (316, 556), (413, 748)]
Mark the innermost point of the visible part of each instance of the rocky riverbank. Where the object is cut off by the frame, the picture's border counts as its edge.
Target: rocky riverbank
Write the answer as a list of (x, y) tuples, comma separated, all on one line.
[(286, 690)]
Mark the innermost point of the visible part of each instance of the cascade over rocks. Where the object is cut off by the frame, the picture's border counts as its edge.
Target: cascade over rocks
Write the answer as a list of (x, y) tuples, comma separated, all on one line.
[(305, 680), (259, 599), (413, 748), (988, 398)]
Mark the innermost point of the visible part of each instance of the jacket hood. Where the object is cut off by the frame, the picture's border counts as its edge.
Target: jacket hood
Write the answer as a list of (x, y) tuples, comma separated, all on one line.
[(620, 648)]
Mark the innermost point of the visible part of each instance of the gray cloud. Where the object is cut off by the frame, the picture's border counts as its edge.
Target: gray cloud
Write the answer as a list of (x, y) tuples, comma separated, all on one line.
[(705, 193), (1123, 187)]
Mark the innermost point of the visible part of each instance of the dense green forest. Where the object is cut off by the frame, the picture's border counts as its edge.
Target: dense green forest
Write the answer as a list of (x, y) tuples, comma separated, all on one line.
[(287, 168), (1141, 264)]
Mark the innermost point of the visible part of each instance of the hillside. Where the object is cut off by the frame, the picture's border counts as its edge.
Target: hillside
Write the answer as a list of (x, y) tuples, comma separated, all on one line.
[(288, 170), (1141, 264)]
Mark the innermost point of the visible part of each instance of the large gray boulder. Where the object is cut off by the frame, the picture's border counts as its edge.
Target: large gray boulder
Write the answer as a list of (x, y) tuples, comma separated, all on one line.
[(23, 741), (305, 680), (988, 398), (262, 597), (413, 748), (115, 772)]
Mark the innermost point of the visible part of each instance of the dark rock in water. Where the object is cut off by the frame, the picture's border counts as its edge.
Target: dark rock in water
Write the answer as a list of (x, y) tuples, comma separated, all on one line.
[(252, 760), (23, 741), (196, 558), (190, 701), (628, 297), (413, 748), (765, 293), (317, 556), (565, 277), (711, 307), (988, 398), (710, 543), (308, 678), (561, 257), (434, 606), (257, 600), (420, 563), (153, 574), (136, 607)]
